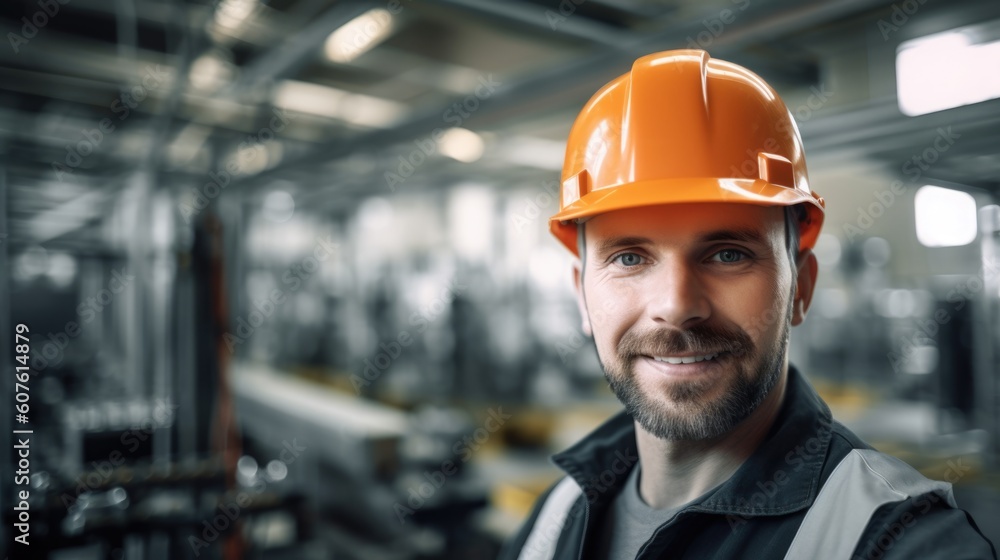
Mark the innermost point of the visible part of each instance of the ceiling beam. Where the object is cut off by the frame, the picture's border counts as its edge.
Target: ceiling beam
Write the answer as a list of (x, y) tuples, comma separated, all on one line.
[(301, 49), (553, 88)]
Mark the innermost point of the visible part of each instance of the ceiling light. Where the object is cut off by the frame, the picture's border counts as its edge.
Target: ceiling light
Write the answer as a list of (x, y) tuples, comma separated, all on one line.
[(209, 72), (359, 35), (355, 108), (946, 70), (231, 15), (462, 144), (945, 217)]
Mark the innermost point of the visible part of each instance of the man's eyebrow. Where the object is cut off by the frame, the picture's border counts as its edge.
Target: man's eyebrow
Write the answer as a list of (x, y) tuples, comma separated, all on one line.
[(745, 235), (613, 243)]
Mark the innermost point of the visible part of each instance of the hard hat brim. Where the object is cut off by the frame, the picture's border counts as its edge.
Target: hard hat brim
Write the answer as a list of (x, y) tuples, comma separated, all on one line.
[(689, 190)]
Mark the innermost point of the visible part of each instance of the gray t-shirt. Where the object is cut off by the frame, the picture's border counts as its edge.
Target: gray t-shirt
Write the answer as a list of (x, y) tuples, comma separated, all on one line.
[(630, 522)]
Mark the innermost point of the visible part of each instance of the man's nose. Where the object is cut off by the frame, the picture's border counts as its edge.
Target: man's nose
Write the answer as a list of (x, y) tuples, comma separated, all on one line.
[(677, 297)]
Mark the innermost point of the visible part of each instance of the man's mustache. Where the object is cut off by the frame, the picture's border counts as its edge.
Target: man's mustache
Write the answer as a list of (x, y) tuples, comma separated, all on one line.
[(700, 340)]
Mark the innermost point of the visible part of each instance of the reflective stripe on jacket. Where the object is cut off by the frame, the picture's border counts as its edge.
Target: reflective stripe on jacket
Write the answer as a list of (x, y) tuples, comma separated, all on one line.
[(812, 490)]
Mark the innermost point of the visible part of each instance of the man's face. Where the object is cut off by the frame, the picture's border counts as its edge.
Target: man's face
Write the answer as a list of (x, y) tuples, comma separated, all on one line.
[(690, 307)]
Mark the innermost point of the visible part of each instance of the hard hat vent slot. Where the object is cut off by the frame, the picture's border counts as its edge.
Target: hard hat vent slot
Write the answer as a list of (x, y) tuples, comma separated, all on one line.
[(776, 170), (575, 187)]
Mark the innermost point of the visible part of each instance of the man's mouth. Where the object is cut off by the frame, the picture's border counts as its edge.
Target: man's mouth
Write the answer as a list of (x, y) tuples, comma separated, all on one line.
[(690, 359)]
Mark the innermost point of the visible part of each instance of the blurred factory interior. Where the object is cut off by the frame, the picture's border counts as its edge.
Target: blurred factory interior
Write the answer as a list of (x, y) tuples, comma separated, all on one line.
[(289, 285)]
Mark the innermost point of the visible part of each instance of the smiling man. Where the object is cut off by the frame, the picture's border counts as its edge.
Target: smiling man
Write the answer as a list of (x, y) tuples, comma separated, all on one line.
[(686, 198)]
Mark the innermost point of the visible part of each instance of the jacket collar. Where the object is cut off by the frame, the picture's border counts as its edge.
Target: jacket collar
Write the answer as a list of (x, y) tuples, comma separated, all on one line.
[(782, 475)]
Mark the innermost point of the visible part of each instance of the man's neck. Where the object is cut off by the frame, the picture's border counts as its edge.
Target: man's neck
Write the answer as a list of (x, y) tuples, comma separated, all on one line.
[(676, 472)]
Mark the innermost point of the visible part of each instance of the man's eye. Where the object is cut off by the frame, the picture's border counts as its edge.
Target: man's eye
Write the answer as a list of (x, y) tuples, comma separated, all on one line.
[(629, 259), (730, 255)]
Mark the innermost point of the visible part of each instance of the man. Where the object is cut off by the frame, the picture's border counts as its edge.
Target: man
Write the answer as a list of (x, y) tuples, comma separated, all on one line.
[(686, 198)]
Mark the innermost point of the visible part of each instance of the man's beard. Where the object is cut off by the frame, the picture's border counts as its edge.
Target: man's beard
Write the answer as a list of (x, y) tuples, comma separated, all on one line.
[(692, 418)]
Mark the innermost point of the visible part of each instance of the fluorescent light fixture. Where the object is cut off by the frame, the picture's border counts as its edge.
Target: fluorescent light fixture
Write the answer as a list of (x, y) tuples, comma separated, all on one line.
[(209, 72), (323, 101), (68, 216), (359, 35), (462, 144), (946, 70), (231, 15), (253, 158), (945, 217)]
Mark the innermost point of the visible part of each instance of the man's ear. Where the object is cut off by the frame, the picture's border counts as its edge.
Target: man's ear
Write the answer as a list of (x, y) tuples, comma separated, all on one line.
[(581, 301), (805, 285)]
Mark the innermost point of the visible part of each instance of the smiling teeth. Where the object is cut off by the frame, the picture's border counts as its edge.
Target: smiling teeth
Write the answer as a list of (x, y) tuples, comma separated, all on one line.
[(687, 360)]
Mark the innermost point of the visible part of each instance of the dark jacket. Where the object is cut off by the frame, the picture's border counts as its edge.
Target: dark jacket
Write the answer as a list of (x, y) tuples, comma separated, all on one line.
[(757, 512)]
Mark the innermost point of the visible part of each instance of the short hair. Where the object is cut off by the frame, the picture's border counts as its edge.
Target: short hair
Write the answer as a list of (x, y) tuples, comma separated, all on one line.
[(794, 216)]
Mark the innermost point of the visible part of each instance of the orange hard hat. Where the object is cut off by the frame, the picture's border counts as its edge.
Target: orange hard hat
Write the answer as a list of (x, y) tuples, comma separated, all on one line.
[(683, 127)]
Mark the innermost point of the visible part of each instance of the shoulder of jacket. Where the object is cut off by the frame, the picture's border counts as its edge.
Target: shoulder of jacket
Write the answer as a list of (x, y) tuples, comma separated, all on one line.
[(860, 483)]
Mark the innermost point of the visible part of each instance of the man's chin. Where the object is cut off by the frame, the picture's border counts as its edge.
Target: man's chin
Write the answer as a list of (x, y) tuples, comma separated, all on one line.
[(687, 407)]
